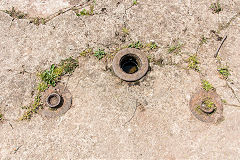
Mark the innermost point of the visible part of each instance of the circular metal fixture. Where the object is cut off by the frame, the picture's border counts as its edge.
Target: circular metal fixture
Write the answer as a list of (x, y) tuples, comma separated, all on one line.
[(53, 100), (58, 101), (206, 106), (130, 64)]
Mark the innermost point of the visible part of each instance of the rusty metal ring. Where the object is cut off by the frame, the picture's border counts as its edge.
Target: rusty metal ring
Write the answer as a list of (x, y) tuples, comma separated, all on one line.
[(209, 115), (51, 96), (130, 56)]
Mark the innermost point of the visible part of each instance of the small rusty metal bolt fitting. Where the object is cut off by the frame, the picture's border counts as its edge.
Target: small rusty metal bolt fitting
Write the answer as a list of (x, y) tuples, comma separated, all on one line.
[(206, 109), (130, 64), (53, 100)]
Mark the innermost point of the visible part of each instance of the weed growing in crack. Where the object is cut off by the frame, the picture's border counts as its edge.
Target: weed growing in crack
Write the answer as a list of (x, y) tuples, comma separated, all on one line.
[(224, 101), (137, 45), (86, 52), (50, 77), (91, 9), (152, 45), (68, 65), (1, 116), (207, 86), (175, 48), (224, 71), (208, 103), (203, 40), (16, 14), (135, 2), (125, 30), (37, 21), (193, 63), (85, 12), (100, 53), (216, 7), (33, 108), (42, 86)]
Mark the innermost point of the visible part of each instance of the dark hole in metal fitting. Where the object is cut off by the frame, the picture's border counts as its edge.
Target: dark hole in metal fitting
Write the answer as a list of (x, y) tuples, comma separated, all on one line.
[(54, 100), (129, 64)]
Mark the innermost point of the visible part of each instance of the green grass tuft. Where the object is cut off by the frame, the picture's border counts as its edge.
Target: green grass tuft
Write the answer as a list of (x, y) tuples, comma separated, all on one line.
[(175, 48), (125, 30), (207, 86), (209, 103), (50, 77), (16, 14), (135, 2), (193, 63), (100, 53), (216, 7), (33, 108), (67, 66), (1, 116), (137, 45), (224, 71)]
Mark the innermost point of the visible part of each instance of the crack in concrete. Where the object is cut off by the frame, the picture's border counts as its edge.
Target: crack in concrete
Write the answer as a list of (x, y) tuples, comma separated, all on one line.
[(45, 20)]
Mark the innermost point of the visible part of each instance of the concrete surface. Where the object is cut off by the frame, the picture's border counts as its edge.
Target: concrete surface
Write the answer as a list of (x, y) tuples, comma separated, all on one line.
[(97, 126)]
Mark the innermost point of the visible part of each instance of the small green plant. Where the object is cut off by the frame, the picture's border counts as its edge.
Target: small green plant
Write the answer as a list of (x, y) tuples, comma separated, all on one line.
[(33, 108), (135, 2), (67, 66), (208, 103), (207, 86), (85, 12), (100, 53), (125, 30), (91, 9), (15, 14), (216, 7), (1, 116), (50, 77), (151, 45), (42, 86), (224, 71), (175, 48), (224, 101), (193, 63), (37, 21), (86, 52), (136, 45), (203, 40)]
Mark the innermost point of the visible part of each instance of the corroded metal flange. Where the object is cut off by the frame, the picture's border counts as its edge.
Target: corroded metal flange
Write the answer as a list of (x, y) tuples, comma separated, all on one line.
[(201, 112), (54, 100), (62, 107), (127, 57)]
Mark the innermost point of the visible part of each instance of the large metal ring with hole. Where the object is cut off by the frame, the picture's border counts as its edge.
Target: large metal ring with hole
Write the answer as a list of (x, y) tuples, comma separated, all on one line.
[(140, 60)]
